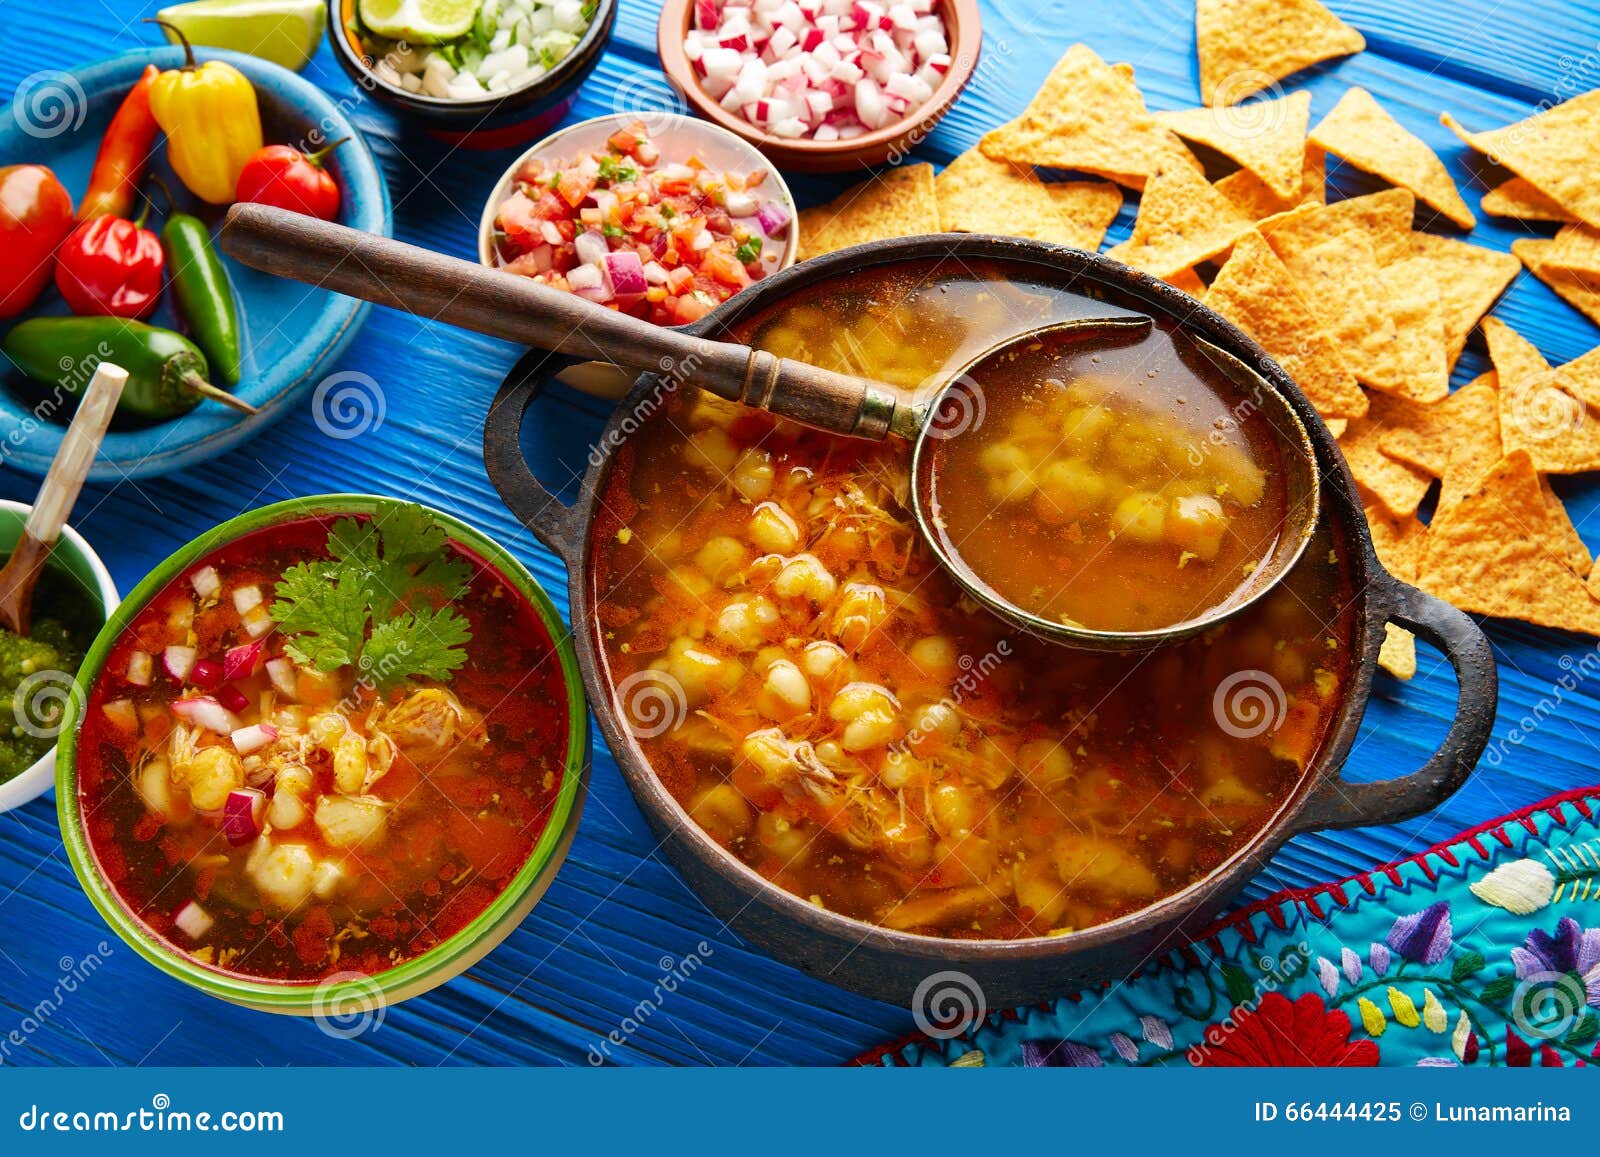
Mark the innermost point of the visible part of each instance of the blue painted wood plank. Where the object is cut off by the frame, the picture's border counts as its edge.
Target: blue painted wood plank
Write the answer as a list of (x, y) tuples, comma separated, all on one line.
[(586, 962)]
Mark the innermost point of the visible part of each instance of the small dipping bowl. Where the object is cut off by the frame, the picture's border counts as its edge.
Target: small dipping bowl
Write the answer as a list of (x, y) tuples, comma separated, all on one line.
[(500, 120), (74, 556), (958, 409)]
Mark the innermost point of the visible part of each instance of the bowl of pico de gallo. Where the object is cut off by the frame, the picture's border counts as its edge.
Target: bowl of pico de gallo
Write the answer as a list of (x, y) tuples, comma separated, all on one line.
[(660, 217)]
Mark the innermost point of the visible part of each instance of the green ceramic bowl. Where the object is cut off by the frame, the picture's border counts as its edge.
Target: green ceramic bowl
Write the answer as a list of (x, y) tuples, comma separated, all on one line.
[(342, 996)]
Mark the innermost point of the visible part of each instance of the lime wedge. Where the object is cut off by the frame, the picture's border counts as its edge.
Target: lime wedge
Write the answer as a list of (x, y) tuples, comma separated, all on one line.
[(285, 32), (419, 21)]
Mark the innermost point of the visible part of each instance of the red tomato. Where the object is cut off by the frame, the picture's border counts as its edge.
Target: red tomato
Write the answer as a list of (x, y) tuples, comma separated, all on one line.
[(35, 216), (289, 179), (109, 266)]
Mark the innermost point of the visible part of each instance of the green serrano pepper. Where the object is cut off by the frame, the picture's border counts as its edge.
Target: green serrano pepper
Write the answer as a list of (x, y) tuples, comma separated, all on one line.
[(204, 296), (166, 371)]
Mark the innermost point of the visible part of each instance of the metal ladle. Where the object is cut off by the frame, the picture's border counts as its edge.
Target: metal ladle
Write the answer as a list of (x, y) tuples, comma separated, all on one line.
[(515, 308)]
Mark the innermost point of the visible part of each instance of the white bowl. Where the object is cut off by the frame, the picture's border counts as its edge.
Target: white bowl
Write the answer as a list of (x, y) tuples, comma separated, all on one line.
[(36, 780)]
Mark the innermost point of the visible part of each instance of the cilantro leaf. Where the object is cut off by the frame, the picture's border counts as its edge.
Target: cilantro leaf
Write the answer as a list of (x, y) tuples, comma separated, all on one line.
[(380, 600), (324, 611)]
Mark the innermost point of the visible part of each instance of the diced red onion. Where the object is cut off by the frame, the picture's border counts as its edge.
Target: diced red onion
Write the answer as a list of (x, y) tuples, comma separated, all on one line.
[(592, 247), (242, 661), (585, 277), (177, 661), (204, 711), (193, 921), (774, 218), (140, 668), (253, 738), (625, 273)]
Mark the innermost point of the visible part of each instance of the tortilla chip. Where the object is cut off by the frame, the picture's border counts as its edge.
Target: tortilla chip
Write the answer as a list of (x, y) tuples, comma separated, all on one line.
[(1089, 116), (1578, 291), (898, 202), (1501, 550), (1182, 221), (1359, 130), (1518, 199), (1267, 137), (1412, 293), (1188, 281), (1255, 291), (1337, 427), (1474, 445), (1554, 150), (1385, 217), (977, 195), (1397, 487), (1576, 250), (1086, 210), (1398, 542), (1513, 355), (1337, 273), (1421, 436), (1246, 45), (1576, 554), (1398, 655), (1552, 415), (1470, 279), (1250, 195)]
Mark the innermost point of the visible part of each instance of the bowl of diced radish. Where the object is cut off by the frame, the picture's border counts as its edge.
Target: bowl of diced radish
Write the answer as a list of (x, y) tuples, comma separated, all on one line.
[(822, 85), (72, 560), (512, 77)]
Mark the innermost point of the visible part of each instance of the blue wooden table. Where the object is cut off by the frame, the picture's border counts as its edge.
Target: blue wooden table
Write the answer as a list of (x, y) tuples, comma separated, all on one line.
[(591, 952)]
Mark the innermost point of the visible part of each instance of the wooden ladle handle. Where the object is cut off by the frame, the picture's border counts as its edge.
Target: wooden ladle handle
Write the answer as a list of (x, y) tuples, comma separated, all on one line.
[(505, 305)]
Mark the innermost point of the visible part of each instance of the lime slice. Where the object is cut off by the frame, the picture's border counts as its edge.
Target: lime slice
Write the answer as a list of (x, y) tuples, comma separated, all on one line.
[(285, 32), (419, 21)]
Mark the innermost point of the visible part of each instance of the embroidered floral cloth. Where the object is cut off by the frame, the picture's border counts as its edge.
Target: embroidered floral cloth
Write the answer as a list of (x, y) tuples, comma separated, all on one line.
[(1484, 950)]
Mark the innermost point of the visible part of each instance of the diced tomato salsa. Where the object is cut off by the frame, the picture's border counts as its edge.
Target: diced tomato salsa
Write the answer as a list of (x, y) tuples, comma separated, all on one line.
[(667, 242)]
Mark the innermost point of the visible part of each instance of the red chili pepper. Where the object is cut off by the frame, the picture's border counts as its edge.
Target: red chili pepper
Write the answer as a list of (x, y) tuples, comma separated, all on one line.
[(111, 266), (289, 179), (35, 214), (124, 153)]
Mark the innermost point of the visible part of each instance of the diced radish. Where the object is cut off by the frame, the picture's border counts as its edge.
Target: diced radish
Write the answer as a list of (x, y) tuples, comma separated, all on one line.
[(206, 582), (232, 698), (253, 738), (244, 598), (140, 668), (204, 711), (243, 813), (193, 921), (206, 674), (285, 680), (242, 661), (177, 662), (257, 621), (121, 714)]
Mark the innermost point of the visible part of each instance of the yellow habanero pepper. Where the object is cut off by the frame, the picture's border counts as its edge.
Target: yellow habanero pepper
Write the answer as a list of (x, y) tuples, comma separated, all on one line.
[(213, 126)]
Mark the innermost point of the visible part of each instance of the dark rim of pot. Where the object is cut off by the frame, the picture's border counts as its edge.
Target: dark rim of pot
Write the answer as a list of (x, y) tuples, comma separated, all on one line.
[(566, 75), (1361, 568)]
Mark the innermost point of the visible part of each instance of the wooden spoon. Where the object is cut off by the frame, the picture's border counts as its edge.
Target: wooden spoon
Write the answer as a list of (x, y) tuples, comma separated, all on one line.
[(56, 497)]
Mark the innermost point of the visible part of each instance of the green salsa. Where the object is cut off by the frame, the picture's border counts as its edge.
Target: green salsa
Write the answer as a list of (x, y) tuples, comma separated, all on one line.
[(36, 670)]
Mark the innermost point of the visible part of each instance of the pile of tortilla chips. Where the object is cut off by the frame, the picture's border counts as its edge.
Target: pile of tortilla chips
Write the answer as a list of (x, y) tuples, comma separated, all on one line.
[(1367, 312)]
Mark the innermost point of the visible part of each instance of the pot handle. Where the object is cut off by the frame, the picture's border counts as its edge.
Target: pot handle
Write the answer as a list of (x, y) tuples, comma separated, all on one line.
[(553, 522), (1338, 803)]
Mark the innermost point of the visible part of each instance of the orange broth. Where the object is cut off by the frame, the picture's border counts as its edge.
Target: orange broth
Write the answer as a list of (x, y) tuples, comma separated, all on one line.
[(827, 704)]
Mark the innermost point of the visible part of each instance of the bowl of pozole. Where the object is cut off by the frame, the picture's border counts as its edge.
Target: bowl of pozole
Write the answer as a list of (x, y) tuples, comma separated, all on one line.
[(335, 748), (874, 777)]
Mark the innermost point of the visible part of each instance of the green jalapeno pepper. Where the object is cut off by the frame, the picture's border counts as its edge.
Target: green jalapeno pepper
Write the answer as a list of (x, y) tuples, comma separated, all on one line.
[(204, 296), (166, 371)]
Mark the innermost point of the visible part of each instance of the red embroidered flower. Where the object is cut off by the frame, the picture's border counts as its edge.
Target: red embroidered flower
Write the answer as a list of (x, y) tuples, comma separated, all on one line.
[(1277, 1034)]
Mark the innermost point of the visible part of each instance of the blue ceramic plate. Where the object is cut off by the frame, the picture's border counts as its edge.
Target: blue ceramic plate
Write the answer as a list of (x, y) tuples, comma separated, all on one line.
[(292, 333)]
